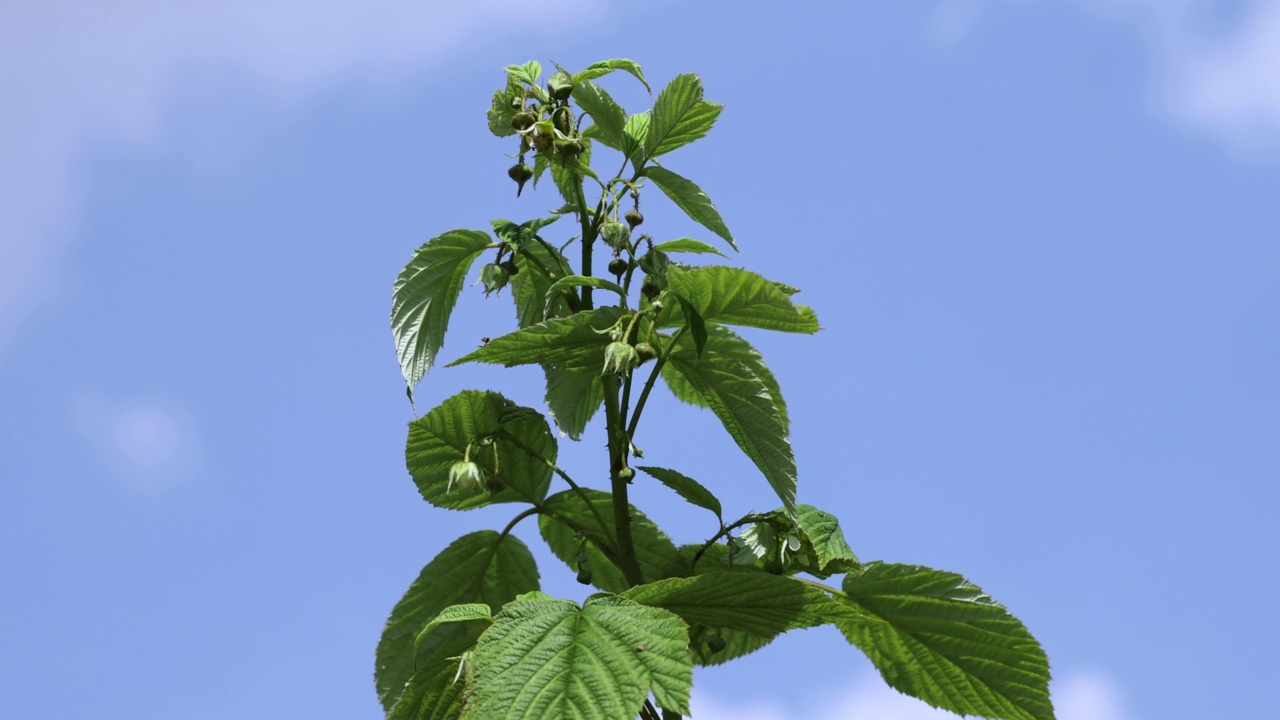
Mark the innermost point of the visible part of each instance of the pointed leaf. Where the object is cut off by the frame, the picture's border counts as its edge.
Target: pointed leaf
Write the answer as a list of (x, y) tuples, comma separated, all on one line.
[(687, 245), (480, 567), (694, 125), (657, 554), (478, 420), (633, 137), (424, 296), (938, 637), (690, 198), (546, 659), (608, 117), (572, 281), (723, 341), (733, 296), (528, 72), (686, 487), (574, 396), (674, 103), (604, 67), (577, 342), (463, 612), (745, 406)]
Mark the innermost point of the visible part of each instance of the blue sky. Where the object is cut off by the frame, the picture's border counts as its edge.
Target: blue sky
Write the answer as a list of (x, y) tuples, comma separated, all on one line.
[(1040, 236)]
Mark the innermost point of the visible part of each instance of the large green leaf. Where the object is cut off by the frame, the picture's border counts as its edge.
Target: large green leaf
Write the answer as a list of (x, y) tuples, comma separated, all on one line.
[(745, 405), (724, 342), (808, 540), (500, 440), (936, 636), (733, 296), (608, 116), (686, 487), (574, 396), (433, 693), (548, 659), (424, 296), (480, 567), (674, 103), (633, 137), (604, 67), (694, 125), (760, 604), (690, 198), (658, 556), (575, 342), (529, 286)]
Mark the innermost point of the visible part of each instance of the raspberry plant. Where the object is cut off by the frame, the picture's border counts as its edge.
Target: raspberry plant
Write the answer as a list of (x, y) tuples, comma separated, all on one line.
[(473, 637)]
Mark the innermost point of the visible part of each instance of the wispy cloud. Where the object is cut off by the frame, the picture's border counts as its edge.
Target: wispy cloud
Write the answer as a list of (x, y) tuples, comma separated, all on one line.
[(1082, 695), (78, 71), (149, 446)]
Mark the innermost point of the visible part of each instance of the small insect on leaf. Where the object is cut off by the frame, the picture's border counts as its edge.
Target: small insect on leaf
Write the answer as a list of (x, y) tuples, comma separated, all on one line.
[(639, 648)]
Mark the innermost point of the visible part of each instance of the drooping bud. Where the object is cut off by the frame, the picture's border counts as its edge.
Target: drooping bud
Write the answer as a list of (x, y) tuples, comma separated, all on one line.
[(646, 351), (494, 277), (584, 576), (522, 121), (715, 643), (617, 266), (615, 234), (494, 485), (619, 358), (650, 289), (627, 474), (510, 266), (466, 475), (655, 262), (521, 173), (633, 218)]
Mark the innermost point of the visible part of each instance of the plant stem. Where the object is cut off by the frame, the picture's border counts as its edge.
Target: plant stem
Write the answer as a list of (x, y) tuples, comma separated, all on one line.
[(648, 384), (556, 469), (630, 565)]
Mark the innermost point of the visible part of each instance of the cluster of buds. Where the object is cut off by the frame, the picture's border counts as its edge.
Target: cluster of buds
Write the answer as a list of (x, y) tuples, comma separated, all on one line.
[(546, 126)]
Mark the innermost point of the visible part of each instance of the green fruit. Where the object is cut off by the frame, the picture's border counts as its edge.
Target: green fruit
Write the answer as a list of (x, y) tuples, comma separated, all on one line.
[(715, 643), (562, 120), (493, 277), (650, 289), (560, 85), (655, 262), (615, 234), (510, 266), (646, 351), (633, 218), (584, 576), (522, 121), (618, 266), (626, 473), (521, 173)]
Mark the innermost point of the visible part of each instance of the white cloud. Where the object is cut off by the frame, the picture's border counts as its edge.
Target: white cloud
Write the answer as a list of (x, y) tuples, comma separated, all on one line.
[(77, 71), (149, 446), (1083, 695)]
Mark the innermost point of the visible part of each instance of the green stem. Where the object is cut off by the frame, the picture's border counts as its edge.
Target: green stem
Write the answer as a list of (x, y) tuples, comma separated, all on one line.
[(648, 384), (588, 240), (516, 521), (724, 530), (630, 564), (556, 469)]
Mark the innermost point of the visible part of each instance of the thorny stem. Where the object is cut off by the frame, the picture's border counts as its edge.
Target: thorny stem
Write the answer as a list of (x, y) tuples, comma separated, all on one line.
[(617, 461), (648, 384)]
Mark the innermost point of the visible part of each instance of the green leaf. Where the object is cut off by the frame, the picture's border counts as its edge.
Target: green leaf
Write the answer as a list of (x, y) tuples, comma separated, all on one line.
[(424, 296), (606, 114), (690, 198), (822, 536), (733, 296), (478, 420), (686, 487), (697, 325), (687, 245), (572, 281), (694, 125), (724, 342), (546, 659), (463, 612), (574, 396), (757, 603), (480, 567), (744, 404), (633, 137), (576, 342), (675, 101), (529, 286), (936, 636), (432, 694), (528, 72), (567, 512), (604, 67)]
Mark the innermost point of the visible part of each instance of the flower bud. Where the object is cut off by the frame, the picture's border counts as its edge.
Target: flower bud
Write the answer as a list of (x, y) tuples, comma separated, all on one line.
[(466, 475), (584, 576), (522, 121), (494, 277), (615, 234), (633, 218), (560, 85), (494, 485), (619, 358), (646, 351), (617, 266), (655, 263), (522, 174)]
